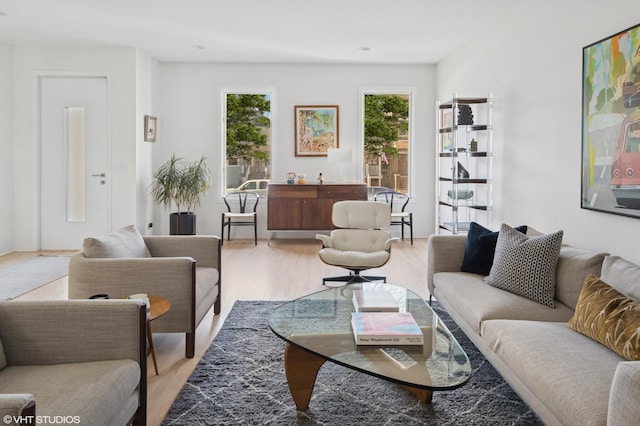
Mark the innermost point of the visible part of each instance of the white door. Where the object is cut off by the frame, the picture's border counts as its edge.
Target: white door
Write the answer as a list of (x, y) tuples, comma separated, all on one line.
[(75, 178)]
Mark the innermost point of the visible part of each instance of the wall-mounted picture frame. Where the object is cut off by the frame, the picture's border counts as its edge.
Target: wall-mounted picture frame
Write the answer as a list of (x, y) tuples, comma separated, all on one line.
[(611, 124), (316, 129), (150, 128)]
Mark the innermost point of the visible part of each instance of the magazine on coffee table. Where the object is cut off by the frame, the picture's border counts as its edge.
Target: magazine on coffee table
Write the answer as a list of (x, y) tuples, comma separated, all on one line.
[(385, 328)]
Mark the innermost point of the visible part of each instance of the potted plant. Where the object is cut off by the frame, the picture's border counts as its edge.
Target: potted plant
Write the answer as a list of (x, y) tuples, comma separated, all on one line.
[(182, 184)]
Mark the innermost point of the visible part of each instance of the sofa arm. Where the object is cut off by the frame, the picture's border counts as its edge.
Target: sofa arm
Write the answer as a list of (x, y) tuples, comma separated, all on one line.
[(17, 408), (67, 331), (445, 253), (624, 398), (205, 249)]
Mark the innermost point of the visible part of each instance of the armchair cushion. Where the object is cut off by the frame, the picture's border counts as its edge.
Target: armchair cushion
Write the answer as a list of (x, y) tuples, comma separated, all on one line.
[(91, 391), (354, 258), (126, 242)]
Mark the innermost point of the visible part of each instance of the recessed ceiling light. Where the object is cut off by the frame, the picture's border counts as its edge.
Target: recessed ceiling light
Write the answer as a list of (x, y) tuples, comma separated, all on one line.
[(198, 46), (364, 48)]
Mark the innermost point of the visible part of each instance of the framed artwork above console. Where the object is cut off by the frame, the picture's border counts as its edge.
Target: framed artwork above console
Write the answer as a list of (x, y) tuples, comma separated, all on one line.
[(316, 129)]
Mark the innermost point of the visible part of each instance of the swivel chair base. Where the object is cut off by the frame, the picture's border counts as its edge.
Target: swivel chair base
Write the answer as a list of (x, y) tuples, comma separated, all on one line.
[(353, 277)]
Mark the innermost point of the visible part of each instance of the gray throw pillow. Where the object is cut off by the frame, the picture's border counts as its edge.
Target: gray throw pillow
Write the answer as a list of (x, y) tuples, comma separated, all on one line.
[(126, 242), (526, 265), (3, 359)]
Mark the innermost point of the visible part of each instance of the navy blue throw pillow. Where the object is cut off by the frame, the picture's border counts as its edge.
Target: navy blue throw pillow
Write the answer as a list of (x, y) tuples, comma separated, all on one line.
[(480, 249)]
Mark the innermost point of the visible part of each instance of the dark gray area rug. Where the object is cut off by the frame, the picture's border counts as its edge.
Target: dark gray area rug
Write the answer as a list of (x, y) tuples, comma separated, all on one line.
[(241, 380)]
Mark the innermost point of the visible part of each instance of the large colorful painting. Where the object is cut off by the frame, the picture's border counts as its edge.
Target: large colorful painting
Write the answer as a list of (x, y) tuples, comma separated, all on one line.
[(611, 124), (316, 129)]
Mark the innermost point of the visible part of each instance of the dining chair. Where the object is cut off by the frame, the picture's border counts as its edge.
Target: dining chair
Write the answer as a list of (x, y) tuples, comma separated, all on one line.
[(241, 211)]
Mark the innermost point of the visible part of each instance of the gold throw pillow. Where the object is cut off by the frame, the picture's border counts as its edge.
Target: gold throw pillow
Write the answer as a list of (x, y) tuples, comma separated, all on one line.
[(608, 317)]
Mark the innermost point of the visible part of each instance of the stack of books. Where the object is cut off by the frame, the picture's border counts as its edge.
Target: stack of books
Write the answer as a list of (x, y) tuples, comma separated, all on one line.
[(377, 321), (374, 301)]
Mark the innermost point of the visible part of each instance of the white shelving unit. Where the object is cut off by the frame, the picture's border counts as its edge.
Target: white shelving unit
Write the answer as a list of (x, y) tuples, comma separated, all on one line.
[(464, 163)]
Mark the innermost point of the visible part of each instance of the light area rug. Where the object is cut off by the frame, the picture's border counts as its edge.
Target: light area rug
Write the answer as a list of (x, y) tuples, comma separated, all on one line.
[(240, 380), (22, 277)]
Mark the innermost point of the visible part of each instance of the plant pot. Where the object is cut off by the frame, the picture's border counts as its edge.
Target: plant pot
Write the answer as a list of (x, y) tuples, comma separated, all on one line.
[(182, 223)]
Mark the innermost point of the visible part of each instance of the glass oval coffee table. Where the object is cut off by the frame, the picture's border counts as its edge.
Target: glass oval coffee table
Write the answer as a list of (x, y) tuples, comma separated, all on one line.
[(317, 328)]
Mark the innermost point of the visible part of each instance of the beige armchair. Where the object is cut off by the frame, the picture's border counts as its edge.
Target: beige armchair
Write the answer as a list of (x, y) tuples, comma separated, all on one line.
[(186, 270), (360, 244), (84, 360)]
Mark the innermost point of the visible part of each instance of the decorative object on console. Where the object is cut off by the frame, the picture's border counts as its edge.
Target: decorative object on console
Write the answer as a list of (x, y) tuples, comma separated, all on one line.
[(608, 317), (526, 265), (291, 178), (480, 248), (183, 185), (316, 129), (611, 124)]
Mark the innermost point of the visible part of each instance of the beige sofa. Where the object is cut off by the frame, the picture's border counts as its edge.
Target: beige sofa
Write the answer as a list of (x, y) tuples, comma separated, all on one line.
[(186, 270), (73, 362), (564, 376)]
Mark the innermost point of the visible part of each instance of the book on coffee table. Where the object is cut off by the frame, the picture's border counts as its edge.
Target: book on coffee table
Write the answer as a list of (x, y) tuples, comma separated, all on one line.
[(386, 328), (374, 301)]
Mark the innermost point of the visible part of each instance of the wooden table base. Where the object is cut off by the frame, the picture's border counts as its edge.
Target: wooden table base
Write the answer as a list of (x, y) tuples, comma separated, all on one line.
[(301, 368)]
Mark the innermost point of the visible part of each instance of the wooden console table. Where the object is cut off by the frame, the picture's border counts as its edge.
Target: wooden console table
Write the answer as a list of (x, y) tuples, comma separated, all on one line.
[(307, 207)]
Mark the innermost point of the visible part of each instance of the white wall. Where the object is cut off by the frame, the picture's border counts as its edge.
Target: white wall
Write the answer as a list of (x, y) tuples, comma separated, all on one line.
[(191, 120), (147, 76), (119, 64), (533, 66), (6, 148)]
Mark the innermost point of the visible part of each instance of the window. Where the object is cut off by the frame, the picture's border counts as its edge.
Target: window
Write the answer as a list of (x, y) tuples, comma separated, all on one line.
[(248, 141), (387, 140)]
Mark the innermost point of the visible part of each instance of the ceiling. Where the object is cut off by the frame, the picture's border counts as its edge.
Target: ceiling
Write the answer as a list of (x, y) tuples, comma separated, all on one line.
[(264, 31)]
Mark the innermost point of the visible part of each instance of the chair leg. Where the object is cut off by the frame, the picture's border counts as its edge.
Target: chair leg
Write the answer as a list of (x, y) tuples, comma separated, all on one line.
[(222, 231), (402, 229), (411, 227), (255, 230), (190, 345), (353, 278)]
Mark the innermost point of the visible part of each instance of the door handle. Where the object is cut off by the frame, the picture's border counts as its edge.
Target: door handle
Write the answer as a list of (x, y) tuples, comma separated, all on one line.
[(100, 175)]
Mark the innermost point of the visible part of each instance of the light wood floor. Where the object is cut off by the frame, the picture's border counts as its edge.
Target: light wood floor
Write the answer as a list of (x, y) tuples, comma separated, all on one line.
[(285, 270)]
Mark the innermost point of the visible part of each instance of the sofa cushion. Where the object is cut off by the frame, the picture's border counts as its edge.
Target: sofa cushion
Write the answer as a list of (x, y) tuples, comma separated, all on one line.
[(468, 297), (126, 242), (567, 372), (622, 275), (3, 359), (625, 394), (608, 317), (526, 265), (480, 249), (574, 265), (98, 393)]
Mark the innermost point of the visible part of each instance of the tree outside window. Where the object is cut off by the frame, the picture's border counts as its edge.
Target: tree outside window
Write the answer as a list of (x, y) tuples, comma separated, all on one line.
[(386, 140), (248, 134)]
